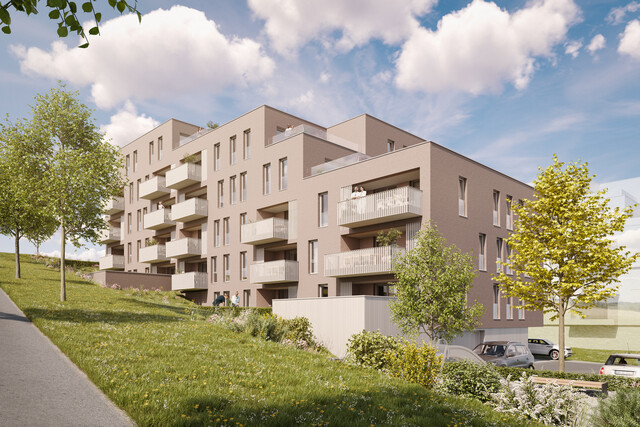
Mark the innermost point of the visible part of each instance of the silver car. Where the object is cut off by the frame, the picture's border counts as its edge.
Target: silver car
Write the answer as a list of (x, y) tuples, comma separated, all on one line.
[(505, 353), (547, 348), (622, 364)]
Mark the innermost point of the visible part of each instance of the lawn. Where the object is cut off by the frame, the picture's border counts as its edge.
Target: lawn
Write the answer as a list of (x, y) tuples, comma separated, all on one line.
[(599, 356), (158, 359)]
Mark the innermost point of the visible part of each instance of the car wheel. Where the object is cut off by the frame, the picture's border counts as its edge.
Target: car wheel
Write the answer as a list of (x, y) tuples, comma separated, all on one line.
[(554, 354)]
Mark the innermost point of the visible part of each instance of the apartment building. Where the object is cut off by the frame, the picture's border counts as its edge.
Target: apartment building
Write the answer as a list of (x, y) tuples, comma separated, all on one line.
[(272, 206)]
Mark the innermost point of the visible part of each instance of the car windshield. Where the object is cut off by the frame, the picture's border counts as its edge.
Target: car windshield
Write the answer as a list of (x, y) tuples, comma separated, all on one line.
[(490, 349)]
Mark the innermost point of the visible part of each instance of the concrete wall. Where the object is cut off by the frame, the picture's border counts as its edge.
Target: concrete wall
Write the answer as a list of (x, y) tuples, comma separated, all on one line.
[(133, 280)]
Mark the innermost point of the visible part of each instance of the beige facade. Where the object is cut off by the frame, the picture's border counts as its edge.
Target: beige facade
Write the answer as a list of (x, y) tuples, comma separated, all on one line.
[(264, 206)]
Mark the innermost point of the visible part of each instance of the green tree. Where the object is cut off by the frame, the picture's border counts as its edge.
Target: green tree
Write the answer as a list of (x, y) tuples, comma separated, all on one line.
[(23, 210), (65, 13), (82, 168), (433, 281), (563, 257)]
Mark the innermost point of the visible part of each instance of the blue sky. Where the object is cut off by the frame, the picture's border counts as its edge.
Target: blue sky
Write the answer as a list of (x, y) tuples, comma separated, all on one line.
[(507, 83)]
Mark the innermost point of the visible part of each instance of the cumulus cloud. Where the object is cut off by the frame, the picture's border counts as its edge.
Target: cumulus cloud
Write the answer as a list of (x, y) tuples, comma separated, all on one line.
[(597, 42), (171, 52), (573, 48), (292, 23), (126, 125), (91, 254), (630, 40), (617, 14), (478, 48)]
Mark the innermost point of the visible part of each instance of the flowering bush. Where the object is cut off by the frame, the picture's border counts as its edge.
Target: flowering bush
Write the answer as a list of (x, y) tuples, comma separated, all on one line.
[(623, 409), (371, 349), (115, 286), (415, 363), (468, 379)]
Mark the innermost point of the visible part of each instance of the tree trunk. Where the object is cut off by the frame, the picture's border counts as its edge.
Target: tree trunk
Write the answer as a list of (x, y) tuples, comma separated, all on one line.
[(561, 335), (17, 250), (63, 287)]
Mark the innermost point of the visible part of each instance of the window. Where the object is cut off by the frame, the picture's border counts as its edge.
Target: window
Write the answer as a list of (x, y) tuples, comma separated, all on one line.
[(313, 256), (283, 174), (151, 153), (227, 232), (129, 250), (214, 269), (243, 265), (462, 196), (323, 290), (390, 145), (496, 302), (266, 179), (496, 208), (139, 224), (510, 308), (131, 192), (234, 190), (246, 144), (159, 148), (216, 232), (138, 182), (135, 160), (521, 313), (243, 187), (127, 164), (144, 212), (221, 193), (243, 221), (323, 209), (507, 249), (232, 150), (509, 214), (498, 255), (227, 268), (482, 264), (216, 157), (246, 297), (138, 246), (129, 223)]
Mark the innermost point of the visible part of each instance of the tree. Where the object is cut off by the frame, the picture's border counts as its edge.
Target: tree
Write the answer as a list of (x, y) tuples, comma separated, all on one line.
[(65, 13), (563, 257), (23, 210), (212, 125), (433, 282), (82, 169)]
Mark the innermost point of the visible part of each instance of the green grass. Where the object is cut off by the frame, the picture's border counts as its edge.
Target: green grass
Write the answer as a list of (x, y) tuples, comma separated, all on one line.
[(599, 356), (160, 361)]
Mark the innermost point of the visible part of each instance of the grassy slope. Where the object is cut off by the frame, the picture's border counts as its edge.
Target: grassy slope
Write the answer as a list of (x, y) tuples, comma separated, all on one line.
[(165, 365)]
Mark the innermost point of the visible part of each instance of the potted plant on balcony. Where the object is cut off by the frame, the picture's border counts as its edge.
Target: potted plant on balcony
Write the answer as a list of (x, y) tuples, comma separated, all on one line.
[(151, 242), (389, 237), (190, 158)]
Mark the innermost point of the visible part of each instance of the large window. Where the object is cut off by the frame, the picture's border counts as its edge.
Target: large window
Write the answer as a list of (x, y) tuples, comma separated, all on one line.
[(221, 193), (246, 144), (234, 190), (266, 179), (227, 231), (323, 209), (216, 157), (243, 187), (243, 265), (496, 208), (232, 150), (227, 267), (482, 262), (313, 256), (509, 213), (283, 174), (462, 196)]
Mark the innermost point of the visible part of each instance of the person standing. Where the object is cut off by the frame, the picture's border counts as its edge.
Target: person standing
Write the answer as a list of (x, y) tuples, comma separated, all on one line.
[(235, 300)]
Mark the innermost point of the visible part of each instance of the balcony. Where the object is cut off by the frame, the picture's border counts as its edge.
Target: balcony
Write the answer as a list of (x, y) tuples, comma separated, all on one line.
[(361, 262), (183, 248), (192, 281), (110, 235), (390, 205), (157, 220), (114, 205), (154, 188), (265, 231), (189, 210), (112, 262), (281, 271), (184, 176), (153, 254)]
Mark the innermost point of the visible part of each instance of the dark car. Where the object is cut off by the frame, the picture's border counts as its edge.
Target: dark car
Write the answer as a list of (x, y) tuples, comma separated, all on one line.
[(505, 353)]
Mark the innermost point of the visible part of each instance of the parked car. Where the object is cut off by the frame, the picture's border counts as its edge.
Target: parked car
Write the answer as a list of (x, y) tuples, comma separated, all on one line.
[(622, 364), (505, 353), (547, 348), (453, 353)]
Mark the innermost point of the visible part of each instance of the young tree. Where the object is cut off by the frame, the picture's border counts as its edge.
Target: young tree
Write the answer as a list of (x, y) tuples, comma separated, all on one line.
[(563, 257), (82, 169), (433, 283)]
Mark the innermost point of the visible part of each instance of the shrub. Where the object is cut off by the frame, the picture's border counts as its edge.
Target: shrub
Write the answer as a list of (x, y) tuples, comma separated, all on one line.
[(299, 333), (415, 363), (468, 379), (371, 349), (614, 383), (623, 409), (267, 326)]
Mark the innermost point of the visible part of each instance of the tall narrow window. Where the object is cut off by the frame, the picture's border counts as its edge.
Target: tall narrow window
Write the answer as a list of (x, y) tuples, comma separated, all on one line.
[(131, 192), (151, 153), (129, 223), (216, 232), (216, 157), (135, 160), (323, 209), (390, 145), (227, 268), (246, 144), (243, 221), (283, 174), (129, 252), (313, 256), (234, 190), (509, 213), (521, 313), (214, 269), (499, 255), (243, 187), (232, 150), (139, 224), (138, 182), (221, 193), (482, 262), (496, 301), (510, 308), (496, 208), (246, 297), (138, 246), (243, 265), (462, 196), (507, 249), (266, 179), (227, 232), (159, 148), (127, 164)]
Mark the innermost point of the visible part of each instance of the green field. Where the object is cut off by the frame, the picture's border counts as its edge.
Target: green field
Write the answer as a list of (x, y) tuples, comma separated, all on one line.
[(599, 356)]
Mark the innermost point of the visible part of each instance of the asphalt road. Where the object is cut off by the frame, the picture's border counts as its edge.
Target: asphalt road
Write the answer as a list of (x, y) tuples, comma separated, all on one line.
[(569, 366)]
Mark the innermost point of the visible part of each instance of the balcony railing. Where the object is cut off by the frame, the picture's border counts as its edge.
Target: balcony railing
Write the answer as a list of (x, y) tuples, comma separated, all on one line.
[(318, 133), (114, 205), (153, 254), (184, 176), (265, 231), (183, 248), (109, 235), (191, 281), (390, 205), (280, 271), (112, 262), (154, 188), (157, 220), (189, 210), (361, 262)]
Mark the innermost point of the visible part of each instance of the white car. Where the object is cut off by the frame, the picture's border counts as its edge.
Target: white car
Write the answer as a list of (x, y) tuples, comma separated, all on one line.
[(547, 348), (622, 364)]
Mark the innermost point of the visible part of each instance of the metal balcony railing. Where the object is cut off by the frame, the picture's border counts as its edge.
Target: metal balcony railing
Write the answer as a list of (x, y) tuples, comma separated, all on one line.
[(265, 231), (361, 262), (158, 220), (280, 271), (390, 205)]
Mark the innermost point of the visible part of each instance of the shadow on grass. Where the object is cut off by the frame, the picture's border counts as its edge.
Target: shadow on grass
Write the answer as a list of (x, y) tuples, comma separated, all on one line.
[(171, 308), (87, 316)]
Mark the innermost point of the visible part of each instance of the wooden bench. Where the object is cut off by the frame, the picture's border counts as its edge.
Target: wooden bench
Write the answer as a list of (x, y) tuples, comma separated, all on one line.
[(574, 383)]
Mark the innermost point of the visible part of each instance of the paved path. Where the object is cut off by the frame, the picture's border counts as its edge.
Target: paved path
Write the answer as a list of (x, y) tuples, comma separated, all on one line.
[(40, 386)]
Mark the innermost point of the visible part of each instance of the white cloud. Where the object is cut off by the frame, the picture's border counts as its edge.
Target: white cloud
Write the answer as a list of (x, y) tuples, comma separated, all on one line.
[(597, 42), (324, 77), (290, 24), (126, 125), (171, 52), (573, 48), (478, 48), (630, 40), (90, 254), (617, 14)]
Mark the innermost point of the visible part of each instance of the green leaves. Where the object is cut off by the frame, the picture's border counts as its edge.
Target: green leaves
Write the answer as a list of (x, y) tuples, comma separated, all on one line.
[(5, 17)]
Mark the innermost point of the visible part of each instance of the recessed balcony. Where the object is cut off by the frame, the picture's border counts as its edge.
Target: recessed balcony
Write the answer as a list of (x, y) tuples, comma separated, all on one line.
[(361, 262), (184, 176), (189, 210), (109, 235), (184, 248), (265, 231), (157, 220), (280, 271), (192, 281), (112, 262), (154, 188), (114, 205), (391, 205), (153, 254)]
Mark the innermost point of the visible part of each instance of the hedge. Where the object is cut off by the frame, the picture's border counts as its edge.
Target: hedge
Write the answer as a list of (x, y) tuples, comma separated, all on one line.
[(614, 383)]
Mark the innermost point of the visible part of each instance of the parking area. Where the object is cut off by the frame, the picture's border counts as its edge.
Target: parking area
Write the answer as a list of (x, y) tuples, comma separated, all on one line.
[(577, 367)]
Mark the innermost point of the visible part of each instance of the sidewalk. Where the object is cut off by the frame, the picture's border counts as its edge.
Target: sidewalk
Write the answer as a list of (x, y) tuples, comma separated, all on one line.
[(40, 386)]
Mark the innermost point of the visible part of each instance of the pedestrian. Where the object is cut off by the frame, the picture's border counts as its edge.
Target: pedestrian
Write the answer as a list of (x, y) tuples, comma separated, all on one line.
[(235, 300), (220, 300)]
